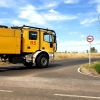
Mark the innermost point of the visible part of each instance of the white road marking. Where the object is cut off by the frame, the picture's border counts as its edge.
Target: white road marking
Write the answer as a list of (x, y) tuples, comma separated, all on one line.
[(5, 91), (77, 96), (79, 70)]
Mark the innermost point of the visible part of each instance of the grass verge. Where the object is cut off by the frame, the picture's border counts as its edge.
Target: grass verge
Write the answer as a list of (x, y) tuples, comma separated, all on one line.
[(94, 68)]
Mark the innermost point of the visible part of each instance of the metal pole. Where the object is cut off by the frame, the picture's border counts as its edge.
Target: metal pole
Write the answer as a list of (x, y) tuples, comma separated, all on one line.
[(90, 55)]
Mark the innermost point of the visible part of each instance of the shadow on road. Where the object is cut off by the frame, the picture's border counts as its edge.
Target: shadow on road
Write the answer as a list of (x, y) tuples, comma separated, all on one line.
[(11, 68)]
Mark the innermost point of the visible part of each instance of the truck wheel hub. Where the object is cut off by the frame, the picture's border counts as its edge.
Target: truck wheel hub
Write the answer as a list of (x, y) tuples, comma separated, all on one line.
[(43, 61)]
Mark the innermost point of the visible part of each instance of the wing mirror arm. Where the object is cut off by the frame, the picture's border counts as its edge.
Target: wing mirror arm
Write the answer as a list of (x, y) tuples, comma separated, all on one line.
[(51, 44)]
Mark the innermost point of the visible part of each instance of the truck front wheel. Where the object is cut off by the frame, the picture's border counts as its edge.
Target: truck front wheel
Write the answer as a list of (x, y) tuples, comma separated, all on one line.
[(42, 61)]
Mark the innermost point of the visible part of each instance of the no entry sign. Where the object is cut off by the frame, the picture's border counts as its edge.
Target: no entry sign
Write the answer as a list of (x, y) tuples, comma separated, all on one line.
[(90, 38)]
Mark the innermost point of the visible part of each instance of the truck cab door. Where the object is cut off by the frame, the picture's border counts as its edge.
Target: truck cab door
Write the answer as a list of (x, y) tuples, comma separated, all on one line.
[(47, 42), (33, 41)]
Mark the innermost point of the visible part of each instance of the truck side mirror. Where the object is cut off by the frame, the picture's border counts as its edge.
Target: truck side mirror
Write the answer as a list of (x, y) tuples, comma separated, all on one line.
[(55, 39)]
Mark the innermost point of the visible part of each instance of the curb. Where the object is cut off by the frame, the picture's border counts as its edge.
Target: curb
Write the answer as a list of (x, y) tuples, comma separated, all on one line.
[(79, 70)]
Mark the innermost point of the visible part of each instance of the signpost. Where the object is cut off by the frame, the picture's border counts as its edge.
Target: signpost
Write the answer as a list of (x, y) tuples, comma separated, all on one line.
[(90, 39)]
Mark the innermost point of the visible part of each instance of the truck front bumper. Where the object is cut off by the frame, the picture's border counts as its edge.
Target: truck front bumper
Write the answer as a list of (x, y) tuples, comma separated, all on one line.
[(51, 57)]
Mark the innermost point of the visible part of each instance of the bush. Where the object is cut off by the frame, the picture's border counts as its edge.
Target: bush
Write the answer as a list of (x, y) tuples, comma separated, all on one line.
[(97, 68)]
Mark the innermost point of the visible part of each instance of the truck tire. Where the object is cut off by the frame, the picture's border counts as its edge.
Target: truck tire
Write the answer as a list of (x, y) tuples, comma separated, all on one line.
[(42, 61)]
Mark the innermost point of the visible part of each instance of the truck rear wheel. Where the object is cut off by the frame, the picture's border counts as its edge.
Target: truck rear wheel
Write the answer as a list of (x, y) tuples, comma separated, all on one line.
[(42, 61)]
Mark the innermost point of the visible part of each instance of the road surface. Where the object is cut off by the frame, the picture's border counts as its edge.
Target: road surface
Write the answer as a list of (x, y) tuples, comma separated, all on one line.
[(60, 81)]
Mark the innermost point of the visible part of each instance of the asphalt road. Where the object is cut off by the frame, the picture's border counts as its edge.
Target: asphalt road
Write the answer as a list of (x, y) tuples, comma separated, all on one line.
[(60, 81)]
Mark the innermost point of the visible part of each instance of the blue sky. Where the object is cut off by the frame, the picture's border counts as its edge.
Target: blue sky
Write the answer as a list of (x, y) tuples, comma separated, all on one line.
[(73, 20)]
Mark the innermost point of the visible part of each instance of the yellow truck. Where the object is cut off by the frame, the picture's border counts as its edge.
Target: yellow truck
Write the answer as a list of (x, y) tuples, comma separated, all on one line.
[(28, 45)]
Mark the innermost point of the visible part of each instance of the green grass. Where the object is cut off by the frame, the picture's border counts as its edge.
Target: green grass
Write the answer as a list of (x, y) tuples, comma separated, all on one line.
[(95, 66)]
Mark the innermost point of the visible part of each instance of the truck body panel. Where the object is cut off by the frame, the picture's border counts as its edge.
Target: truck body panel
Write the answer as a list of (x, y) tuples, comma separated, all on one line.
[(10, 41)]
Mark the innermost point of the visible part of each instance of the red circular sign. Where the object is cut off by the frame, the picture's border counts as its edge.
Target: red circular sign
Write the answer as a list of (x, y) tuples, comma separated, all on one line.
[(90, 38)]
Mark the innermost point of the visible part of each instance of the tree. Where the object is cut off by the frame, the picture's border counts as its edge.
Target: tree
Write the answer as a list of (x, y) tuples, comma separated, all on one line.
[(93, 50)]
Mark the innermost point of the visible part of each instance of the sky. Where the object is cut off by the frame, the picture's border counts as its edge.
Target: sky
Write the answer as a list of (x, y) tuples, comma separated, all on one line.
[(72, 20)]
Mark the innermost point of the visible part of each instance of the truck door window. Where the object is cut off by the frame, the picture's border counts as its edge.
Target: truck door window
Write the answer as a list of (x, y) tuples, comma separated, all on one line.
[(47, 37), (32, 35)]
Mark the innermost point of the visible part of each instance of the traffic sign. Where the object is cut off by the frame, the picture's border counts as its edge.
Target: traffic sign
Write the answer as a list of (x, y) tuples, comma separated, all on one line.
[(90, 38)]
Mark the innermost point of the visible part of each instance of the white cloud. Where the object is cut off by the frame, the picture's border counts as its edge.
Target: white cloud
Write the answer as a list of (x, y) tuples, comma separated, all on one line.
[(3, 4), (11, 22), (73, 43), (19, 23), (15, 22), (31, 14), (73, 33), (78, 46), (5, 20), (1, 22), (98, 4), (53, 11), (94, 1), (49, 4), (12, 3), (57, 39), (82, 36), (71, 1), (98, 8), (54, 15), (6, 3), (88, 22)]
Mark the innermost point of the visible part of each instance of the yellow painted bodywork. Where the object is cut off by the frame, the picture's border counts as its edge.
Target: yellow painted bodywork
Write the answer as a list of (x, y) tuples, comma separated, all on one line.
[(10, 41), (15, 41), (45, 44), (33, 44)]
